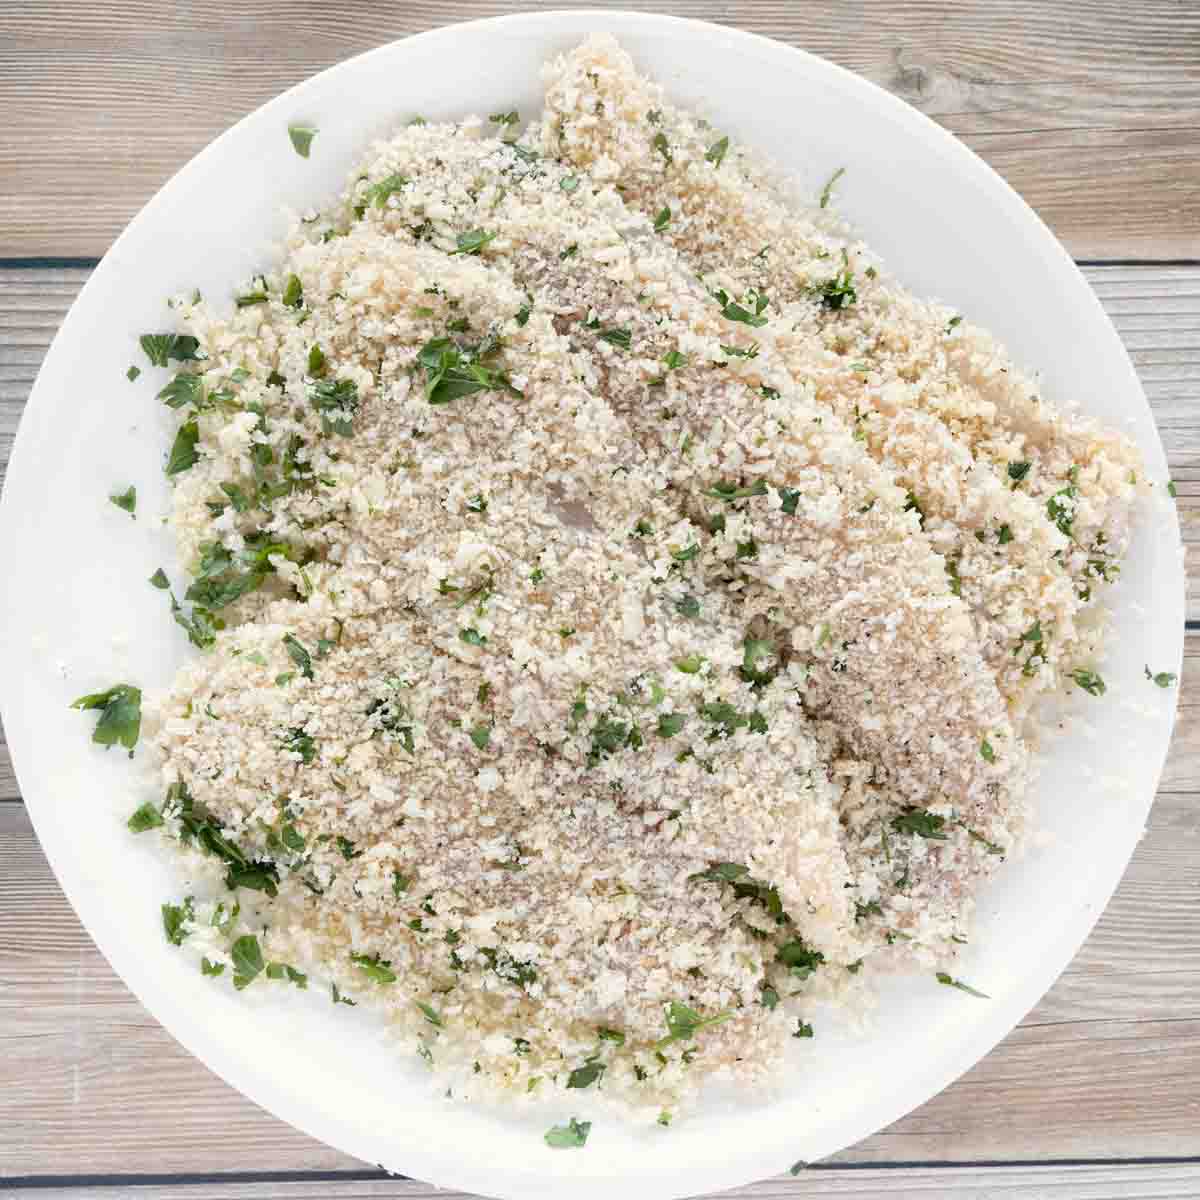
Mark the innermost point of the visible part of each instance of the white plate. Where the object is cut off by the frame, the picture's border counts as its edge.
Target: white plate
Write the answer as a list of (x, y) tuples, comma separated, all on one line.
[(76, 613)]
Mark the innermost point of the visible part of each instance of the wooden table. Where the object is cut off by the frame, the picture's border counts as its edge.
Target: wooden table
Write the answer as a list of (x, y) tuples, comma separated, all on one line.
[(1093, 112)]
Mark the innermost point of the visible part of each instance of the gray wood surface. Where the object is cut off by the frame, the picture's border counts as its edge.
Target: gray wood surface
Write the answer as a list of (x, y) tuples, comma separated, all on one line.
[(1089, 109)]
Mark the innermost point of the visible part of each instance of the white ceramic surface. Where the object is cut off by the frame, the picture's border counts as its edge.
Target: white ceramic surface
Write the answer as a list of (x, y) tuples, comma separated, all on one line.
[(76, 614)]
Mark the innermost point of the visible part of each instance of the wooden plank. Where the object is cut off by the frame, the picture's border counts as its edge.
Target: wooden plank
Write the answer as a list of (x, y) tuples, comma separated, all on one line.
[(1089, 110), (1107, 1065), (1148, 1181)]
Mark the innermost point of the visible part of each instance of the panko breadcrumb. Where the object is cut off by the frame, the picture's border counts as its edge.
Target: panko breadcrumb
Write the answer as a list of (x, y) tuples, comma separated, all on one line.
[(623, 604)]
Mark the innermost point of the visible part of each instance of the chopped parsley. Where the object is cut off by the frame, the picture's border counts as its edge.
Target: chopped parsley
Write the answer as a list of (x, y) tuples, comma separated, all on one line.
[(569, 1136), (126, 501), (176, 918), (621, 338), (586, 1075), (1172, 490), (378, 193), (683, 1023), (986, 752), (145, 817), (375, 969), (337, 401), (803, 1030), (732, 311), (569, 183), (452, 373), (296, 741), (729, 492), (183, 455), (662, 219), (610, 1035), (1018, 470), (120, 715), (669, 724), (1060, 508), (431, 1014), (827, 190), (506, 118), (717, 151), (302, 138), (134, 372), (950, 981), (687, 606), (208, 967), (839, 292), (248, 961), (1162, 679), (662, 146), (472, 637), (293, 292), (472, 242), (298, 655), (161, 347), (800, 960), (1089, 681), (481, 735), (920, 822)]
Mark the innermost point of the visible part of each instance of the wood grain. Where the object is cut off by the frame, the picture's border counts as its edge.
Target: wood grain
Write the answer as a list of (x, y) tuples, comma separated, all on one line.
[(1108, 1063), (1149, 1181), (1089, 110)]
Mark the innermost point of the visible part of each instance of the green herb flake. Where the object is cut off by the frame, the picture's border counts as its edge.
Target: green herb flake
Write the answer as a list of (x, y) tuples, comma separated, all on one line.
[(920, 822), (472, 242), (717, 151), (950, 981), (683, 1023), (1172, 490), (688, 606), (621, 338), (431, 1014), (120, 715), (248, 961), (375, 969), (176, 918), (803, 1030), (1017, 471), (379, 193), (733, 311), (585, 1076), (302, 138), (133, 373), (1162, 679), (298, 655), (126, 501), (569, 183), (570, 1136), (662, 219), (293, 292), (481, 735), (472, 637), (1089, 681), (145, 817), (662, 146), (669, 724), (161, 347), (827, 190), (208, 967), (986, 752), (183, 455), (337, 401)]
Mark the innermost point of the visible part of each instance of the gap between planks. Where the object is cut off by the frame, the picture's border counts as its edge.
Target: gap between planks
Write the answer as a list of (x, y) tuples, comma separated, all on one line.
[(1143, 1181)]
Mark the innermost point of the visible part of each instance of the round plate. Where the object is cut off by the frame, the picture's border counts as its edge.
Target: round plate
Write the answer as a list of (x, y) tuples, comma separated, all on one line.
[(76, 613)]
